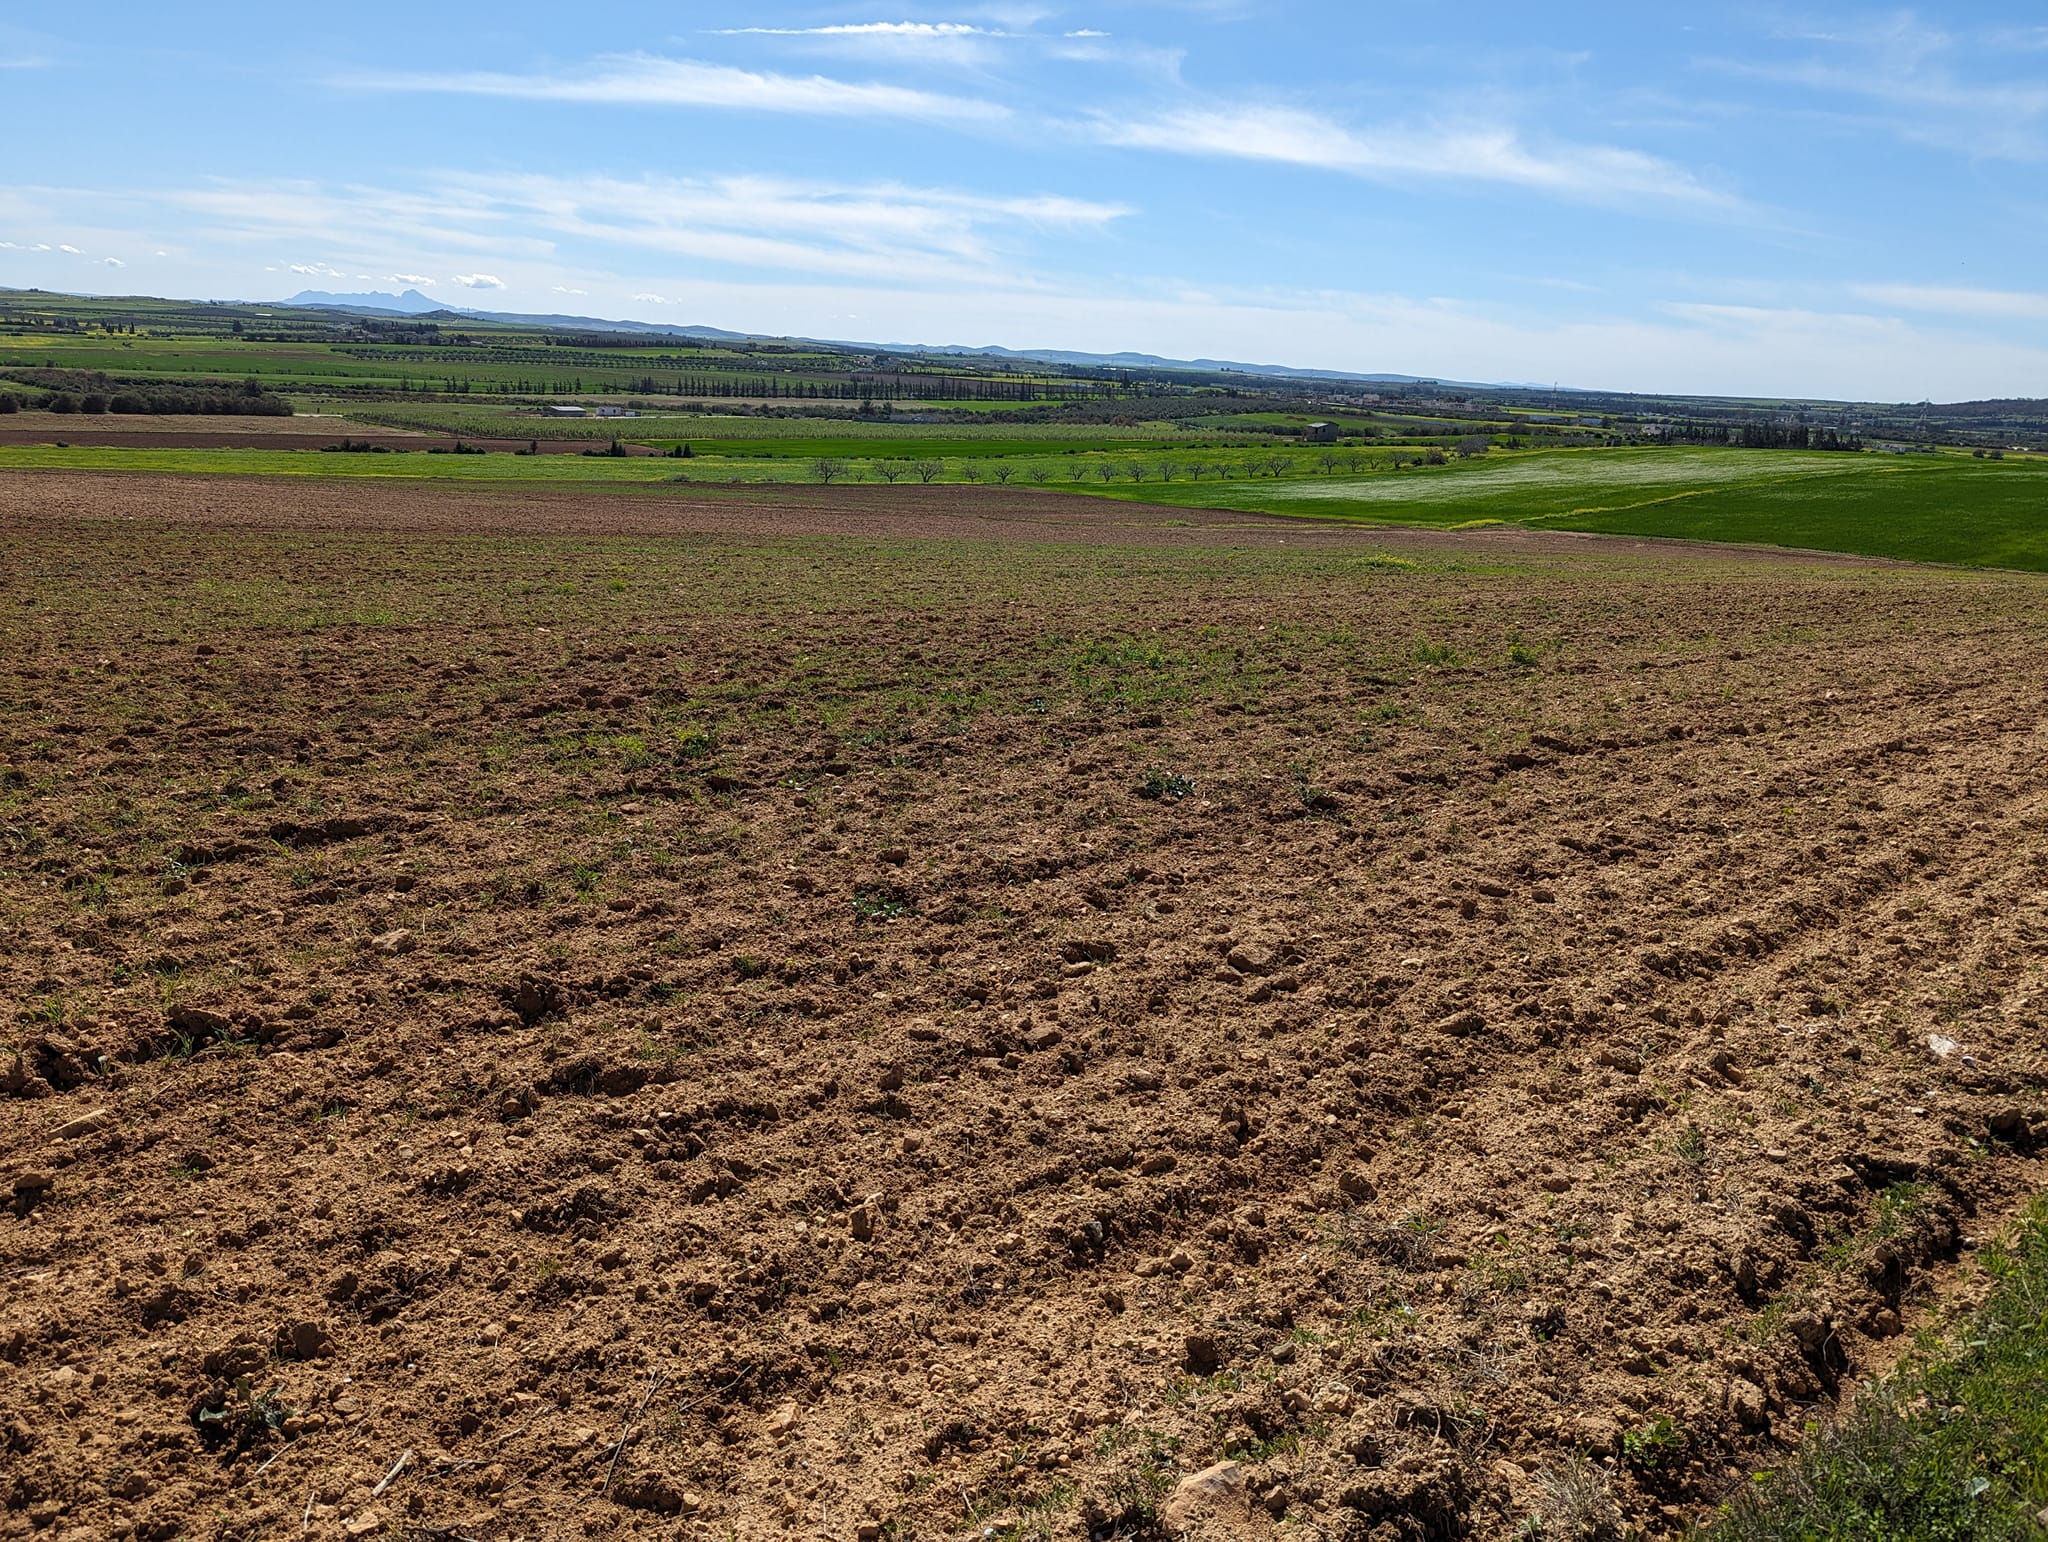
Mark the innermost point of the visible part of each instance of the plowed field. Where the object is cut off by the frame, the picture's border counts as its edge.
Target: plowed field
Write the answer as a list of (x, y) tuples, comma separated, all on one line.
[(918, 1013)]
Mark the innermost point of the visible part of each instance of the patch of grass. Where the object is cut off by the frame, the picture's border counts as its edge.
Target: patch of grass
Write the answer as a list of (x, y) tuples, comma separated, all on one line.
[(1139, 1471), (1162, 786), (878, 905), (1954, 1448), (695, 743), (1657, 1444)]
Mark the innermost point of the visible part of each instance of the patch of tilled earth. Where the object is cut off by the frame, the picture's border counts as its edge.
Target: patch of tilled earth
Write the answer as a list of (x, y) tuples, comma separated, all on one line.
[(397, 505), (718, 1038)]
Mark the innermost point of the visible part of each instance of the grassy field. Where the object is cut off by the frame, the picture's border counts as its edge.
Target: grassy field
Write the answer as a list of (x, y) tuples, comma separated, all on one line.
[(860, 436), (945, 455), (1930, 509)]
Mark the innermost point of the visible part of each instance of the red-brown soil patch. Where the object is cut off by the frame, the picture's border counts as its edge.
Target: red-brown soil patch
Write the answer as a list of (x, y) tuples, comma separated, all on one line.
[(205, 431), (782, 1014)]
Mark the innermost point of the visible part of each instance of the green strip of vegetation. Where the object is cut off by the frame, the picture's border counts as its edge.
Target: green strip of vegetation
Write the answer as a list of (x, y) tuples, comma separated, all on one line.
[(1954, 1448)]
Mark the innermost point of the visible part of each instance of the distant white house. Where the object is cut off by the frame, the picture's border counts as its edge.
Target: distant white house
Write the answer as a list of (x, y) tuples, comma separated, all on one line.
[(617, 412)]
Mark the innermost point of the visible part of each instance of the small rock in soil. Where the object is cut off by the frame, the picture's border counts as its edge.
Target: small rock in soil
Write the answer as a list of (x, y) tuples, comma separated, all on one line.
[(1217, 1491), (1251, 958), (88, 1123)]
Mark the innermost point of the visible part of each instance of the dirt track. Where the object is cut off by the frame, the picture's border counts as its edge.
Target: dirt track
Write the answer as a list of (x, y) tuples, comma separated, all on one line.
[(965, 1024)]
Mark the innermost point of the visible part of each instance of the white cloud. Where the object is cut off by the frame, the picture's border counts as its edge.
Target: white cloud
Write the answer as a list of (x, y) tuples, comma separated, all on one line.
[(2001, 304), (957, 43), (565, 289), (480, 281), (646, 80), (114, 262), (1472, 152), (651, 299), (412, 280), (314, 270), (67, 247), (916, 29)]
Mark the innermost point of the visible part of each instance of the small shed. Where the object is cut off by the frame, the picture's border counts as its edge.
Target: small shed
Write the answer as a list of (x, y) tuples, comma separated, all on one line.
[(1321, 433), (561, 412)]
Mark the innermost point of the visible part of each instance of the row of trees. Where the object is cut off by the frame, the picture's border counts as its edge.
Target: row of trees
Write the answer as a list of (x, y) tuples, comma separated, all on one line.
[(1766, 436), (93, 392), (170, 403), (831, 468)]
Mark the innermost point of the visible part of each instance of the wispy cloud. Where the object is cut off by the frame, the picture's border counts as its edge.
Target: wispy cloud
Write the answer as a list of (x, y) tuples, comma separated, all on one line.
[(112, 262), (480, 281), (1994, 304), (646, 80), (411, 280), (23, 62), (911, 29), (1471, 152), (955, 43), (314, 269), (69, 248), (1925, 83), (880, 232)]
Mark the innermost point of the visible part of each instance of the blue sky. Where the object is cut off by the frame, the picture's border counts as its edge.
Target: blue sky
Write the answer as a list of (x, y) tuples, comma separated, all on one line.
[(1731, 198)]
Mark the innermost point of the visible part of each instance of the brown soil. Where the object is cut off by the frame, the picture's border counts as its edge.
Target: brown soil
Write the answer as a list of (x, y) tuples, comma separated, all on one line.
[(178, 428), (778, 511), (199, 431), (809, 1012)]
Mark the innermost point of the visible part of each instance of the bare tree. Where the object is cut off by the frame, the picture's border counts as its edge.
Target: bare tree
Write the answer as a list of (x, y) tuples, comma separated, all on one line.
[(1354, 460), (1135, 470), (1280, 465), (1168, 470), (1040, 474), (970, 472), (1002, 475), (1328, 461), (928, 470), (1104, 471), (827, 468), (890, 470)]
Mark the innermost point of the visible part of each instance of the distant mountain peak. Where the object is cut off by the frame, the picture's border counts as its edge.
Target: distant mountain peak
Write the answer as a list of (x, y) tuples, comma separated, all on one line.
[(411, 303)]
